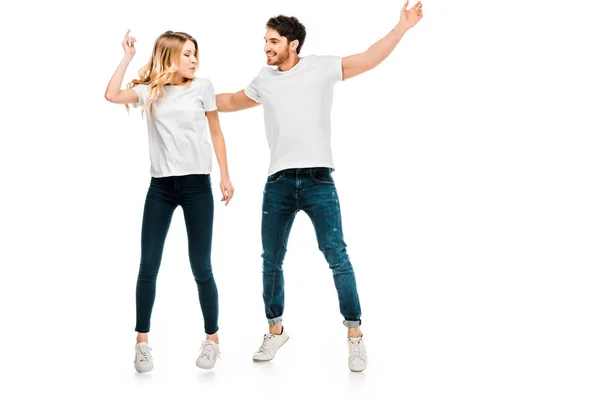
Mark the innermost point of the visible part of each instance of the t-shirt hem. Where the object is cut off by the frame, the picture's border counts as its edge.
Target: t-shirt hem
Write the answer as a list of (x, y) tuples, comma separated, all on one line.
[(178, 173), (339, 69), (251, 96)]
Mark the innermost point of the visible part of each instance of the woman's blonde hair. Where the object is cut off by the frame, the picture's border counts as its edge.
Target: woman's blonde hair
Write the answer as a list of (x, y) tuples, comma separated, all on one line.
[(162, 66)]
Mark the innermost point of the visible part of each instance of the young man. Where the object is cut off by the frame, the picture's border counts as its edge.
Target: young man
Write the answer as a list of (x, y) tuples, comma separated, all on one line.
[(297, 98)]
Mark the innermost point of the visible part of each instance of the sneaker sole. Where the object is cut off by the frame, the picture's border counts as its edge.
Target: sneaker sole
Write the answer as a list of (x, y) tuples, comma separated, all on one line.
[(143, 371), (357, 370), (205, 368)]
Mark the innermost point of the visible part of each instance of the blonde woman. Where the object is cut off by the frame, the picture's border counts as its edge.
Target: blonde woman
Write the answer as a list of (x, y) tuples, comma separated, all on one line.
[(178, 107)]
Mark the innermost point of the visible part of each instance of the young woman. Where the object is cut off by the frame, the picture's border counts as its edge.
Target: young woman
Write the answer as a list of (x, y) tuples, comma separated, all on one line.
[(178, 106)]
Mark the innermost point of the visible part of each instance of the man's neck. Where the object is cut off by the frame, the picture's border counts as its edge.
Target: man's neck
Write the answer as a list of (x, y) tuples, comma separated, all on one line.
[(289, 63)]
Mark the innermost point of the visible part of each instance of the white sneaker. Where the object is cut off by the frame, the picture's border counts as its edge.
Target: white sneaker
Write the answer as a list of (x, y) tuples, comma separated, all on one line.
[(357, 354), (271, 343), (143, 359), (208, 355)]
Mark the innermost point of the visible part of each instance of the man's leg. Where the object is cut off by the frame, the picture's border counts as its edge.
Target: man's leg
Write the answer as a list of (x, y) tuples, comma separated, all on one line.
[(320, 201), (279, 211)]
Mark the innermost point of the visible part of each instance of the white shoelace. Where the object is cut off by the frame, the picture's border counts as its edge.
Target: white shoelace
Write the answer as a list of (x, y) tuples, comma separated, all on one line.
[(354, 348), (208, 350), (267, 339), (144, 353)]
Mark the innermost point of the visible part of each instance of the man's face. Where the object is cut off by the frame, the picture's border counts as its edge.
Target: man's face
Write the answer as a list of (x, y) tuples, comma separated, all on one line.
[(277, 48)]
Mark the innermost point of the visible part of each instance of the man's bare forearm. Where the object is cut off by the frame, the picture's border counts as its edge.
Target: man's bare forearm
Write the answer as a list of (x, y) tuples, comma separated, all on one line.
[(225, 102), (381, 49)]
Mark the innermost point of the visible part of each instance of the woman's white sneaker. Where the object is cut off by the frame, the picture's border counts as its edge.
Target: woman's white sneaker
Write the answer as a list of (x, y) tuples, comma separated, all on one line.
[(271, 343), (357, 354), (208, 355), (143, 359)]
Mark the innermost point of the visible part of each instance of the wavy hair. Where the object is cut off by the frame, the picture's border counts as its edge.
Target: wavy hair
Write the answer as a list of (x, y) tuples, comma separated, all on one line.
[(162, 66), (290, 28)]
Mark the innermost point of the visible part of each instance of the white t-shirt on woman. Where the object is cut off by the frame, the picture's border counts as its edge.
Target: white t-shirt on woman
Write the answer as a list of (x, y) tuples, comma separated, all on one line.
[(177, 128)]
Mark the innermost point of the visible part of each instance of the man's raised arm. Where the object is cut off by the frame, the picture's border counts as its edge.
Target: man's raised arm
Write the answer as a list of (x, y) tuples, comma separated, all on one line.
[(374, 55)]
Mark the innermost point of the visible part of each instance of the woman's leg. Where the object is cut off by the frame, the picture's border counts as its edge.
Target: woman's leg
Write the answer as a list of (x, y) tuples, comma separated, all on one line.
[(158, 210), (198, 210)]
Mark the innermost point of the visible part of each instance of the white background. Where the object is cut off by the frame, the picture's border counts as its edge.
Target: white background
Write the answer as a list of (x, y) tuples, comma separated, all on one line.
[(467, 168)]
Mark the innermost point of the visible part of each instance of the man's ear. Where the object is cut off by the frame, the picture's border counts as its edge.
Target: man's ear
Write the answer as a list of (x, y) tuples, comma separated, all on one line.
[(294, 45)]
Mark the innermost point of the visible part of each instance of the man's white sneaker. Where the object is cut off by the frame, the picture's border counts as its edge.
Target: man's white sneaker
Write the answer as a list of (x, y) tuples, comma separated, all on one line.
[(208, 355), (271, 343), (143, 359), (357, 354)]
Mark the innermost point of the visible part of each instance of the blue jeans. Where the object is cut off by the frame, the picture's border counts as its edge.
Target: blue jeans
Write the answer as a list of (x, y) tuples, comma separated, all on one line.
[(311, 190), (193, 193)]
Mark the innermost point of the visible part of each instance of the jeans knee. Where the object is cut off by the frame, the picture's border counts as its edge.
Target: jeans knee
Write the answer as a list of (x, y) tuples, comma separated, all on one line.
[(273, 261), (147, 275), (148, 270), (202, 272), (337, 258)]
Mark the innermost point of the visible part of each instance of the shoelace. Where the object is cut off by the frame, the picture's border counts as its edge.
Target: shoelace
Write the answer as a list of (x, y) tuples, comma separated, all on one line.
[(208, 351), (266, 342), (354, 348), (144, 353)]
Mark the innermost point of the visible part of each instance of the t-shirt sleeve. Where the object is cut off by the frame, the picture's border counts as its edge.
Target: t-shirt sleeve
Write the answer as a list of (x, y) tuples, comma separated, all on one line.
[(252, 90), (332, 66), (142, 92), (209, 99)]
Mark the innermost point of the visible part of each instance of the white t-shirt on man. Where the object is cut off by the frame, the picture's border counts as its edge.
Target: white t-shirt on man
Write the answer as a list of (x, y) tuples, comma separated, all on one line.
[(177, 129), (297, 108)]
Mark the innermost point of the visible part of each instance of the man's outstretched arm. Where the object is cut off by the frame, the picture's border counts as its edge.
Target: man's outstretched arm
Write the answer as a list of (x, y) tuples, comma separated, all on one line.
[(228, 102), (362, 62)]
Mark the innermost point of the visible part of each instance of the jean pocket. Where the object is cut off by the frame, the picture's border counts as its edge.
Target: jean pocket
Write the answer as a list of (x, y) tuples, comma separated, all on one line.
[(323, 176), (274, 178)]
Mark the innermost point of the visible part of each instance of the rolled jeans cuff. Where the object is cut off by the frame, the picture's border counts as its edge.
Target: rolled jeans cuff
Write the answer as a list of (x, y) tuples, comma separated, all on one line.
[(274, 321), (352, 324)]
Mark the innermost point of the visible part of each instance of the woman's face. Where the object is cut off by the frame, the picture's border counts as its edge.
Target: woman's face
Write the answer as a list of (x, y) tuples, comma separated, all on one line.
[(188, 63)]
